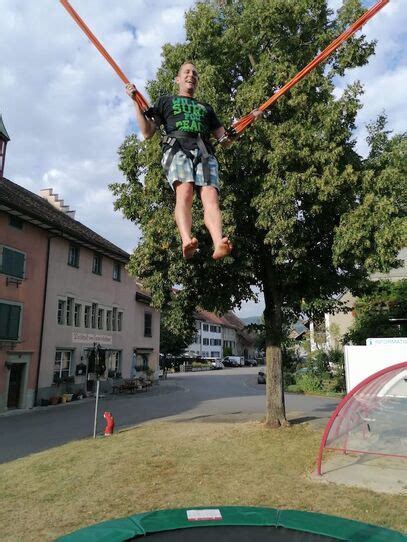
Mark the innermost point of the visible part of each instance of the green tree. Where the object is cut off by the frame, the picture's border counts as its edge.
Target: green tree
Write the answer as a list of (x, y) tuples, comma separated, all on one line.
[(381, 313), (174, 336), (295, 194)]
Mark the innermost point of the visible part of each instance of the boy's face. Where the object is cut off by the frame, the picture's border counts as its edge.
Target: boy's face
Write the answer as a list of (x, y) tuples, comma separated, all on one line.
[(187, 79)]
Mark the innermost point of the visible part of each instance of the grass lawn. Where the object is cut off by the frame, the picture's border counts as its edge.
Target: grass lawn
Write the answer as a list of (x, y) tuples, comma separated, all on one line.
[(168, 465)]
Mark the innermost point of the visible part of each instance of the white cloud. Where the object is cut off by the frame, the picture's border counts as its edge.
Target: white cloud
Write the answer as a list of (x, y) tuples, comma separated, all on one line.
[(66, 111)]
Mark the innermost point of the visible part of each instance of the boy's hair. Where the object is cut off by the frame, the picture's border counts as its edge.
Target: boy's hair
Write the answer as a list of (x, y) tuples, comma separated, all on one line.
[(184, 64)]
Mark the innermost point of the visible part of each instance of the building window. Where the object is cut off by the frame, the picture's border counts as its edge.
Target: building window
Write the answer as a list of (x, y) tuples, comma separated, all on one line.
[(119, 321), (109, 320), (16, 222), (10, 321), (94, 313), (205, 341), (97, 264), (101, 315), (114, 319), (215, 354), (61, 312), (69, 310), (147, 324), (62, 364), (116, 271), (87, 316), (73, 256), (205, 327), (77, 315), (12, 262), (215, 329)]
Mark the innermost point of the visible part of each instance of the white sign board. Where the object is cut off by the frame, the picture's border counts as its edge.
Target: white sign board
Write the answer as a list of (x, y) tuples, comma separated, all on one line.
[(363, 361), (386, 340), (204, 515), (91, 338)]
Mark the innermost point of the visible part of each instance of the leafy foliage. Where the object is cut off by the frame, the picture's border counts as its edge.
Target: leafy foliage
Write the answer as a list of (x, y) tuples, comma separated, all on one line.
[(381, 313), (307, 216)]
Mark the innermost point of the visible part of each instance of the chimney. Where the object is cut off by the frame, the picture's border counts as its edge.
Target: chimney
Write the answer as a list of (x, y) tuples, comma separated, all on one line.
[(53, 199), (4, 139)]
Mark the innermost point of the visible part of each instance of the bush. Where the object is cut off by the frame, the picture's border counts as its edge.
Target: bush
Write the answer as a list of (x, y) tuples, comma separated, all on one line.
[(291, 362), (324, 371), (309, 383)]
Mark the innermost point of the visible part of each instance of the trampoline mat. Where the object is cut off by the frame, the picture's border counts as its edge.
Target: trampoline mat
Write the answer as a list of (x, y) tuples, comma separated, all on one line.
[(232, 524), (235, 533)]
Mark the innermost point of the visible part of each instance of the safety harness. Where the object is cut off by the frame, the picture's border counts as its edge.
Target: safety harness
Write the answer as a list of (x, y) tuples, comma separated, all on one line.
[(177, 140)]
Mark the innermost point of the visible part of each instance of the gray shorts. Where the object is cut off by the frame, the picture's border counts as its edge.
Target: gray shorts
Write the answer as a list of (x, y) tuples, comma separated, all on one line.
[(181, 170)]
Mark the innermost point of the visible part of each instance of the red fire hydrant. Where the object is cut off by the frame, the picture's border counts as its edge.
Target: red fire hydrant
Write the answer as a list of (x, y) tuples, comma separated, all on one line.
[(109, 424)]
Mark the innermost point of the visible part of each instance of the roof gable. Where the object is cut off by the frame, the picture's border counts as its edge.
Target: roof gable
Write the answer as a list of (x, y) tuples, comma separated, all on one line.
[(19, 201)]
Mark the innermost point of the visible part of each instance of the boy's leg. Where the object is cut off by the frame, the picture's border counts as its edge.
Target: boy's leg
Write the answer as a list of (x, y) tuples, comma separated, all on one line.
[(213, 221), (184, 193)]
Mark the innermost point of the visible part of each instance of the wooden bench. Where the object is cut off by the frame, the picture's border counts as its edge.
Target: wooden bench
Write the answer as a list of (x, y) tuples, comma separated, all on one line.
[(132, 385)]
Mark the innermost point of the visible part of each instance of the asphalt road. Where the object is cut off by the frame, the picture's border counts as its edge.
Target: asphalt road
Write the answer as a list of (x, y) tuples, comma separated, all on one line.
[(227, 395)]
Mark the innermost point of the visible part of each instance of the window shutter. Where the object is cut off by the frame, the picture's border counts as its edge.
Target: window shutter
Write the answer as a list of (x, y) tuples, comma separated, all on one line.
[(13, 263), (3, 320), (9, 321), (14, 321)]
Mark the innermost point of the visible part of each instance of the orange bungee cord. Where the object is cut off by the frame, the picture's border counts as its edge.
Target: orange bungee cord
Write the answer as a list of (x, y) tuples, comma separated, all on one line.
[(240, 125), (141, 101)]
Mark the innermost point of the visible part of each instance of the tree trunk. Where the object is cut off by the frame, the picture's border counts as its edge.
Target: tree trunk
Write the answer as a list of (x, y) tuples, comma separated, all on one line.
[(275, 407)]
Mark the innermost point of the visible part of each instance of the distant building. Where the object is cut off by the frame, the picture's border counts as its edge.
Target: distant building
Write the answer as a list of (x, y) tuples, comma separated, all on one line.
[(215, 333), (63, 290), (337, 325)]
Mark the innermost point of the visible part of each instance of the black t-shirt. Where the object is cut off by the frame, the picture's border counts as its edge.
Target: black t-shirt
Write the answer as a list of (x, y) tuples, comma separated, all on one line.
[(182, 114)]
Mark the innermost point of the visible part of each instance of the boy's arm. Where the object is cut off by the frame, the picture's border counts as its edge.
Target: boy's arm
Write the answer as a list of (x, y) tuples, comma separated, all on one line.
[(221, 132), (146, 125)]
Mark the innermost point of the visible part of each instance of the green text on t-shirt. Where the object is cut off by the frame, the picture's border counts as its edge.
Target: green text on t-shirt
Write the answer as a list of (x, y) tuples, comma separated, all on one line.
[(193, 113)]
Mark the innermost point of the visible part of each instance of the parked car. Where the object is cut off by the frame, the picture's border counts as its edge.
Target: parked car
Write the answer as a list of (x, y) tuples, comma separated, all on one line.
[(250, 362), (261, 376), (217, 364), (233, 361)]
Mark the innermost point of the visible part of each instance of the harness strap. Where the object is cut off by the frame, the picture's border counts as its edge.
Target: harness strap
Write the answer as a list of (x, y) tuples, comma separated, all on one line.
[(175, 141)]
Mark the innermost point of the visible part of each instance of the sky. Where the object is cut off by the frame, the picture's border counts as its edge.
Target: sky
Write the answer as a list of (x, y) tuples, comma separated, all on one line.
[(66, 111)]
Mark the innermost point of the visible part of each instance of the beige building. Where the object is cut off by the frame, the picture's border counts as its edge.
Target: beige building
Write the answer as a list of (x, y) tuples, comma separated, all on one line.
[(336, 325), (92, 301)]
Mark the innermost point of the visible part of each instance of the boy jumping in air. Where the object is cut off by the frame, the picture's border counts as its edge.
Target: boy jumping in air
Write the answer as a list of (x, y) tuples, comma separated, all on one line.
[(188, 157)]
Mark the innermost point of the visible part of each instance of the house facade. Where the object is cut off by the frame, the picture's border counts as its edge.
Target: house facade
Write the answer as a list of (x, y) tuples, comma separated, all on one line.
[(214, 334), (96, 304), (208, 338), (336, 325), (64, 290), (23, 252)]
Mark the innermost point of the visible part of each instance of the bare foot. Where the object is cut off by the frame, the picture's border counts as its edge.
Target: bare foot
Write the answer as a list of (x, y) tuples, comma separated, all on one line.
[(190, 248), (222, 249)]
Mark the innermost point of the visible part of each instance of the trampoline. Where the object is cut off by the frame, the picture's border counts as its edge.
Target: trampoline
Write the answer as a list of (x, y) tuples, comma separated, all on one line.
[(233, 524), (372, 418)]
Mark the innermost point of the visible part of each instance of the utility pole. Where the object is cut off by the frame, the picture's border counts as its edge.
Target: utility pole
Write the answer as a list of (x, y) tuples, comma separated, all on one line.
[(96, 349)]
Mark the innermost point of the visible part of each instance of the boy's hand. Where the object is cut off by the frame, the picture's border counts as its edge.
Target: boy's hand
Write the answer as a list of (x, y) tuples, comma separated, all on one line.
[(257, 114), (131, 90)]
